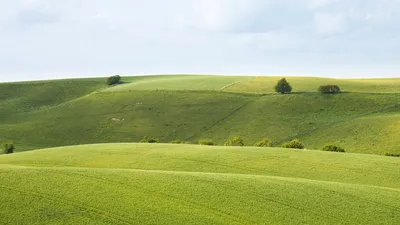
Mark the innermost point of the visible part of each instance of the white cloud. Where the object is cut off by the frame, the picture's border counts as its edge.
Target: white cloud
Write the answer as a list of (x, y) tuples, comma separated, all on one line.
[(315, 4), (275, 41), (221, 15), (136, 36), (329, 24)]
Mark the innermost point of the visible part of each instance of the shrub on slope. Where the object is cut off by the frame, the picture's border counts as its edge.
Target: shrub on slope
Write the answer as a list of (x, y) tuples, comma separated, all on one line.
[(293, 144), (235, 141), (333, 148), (206, 142), (329, 89), (264, 143), (8, 148), (150, 140)]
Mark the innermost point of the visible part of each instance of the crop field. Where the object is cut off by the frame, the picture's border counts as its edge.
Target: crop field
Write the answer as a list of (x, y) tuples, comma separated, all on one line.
[(46, 114), (191, 184)]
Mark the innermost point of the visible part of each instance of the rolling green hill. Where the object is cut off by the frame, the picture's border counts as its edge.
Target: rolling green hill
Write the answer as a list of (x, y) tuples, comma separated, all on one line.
[(179, 82), (181, 184), (262, 85), (45, 114)]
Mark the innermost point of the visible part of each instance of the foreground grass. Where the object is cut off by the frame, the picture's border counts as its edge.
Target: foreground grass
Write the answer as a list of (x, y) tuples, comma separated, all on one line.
[(184, 184)]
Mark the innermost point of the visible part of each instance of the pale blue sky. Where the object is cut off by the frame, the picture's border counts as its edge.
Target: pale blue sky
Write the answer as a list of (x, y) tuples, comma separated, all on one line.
[(41, 39)]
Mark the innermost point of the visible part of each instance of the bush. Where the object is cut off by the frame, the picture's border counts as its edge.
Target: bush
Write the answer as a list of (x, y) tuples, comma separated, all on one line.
[(264, 143), (206, 142), (293, 144), (179, 142), (235, 141), (329, 89), (283, 86), (8, 148), (392, 154), (113, 80), (333, 148), (150, 140)]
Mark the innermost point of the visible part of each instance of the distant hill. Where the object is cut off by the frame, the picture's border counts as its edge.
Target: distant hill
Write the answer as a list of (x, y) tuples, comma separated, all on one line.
[(365, 118)]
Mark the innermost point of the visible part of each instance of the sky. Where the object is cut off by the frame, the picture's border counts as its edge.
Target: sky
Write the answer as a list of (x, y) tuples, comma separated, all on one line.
[(47, 39)]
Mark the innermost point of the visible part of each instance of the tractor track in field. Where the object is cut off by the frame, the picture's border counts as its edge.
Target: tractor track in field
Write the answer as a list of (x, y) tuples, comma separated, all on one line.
[(85, 208), (322, 127), (258, 195), (202, 208), (235, 111), (169, 197)]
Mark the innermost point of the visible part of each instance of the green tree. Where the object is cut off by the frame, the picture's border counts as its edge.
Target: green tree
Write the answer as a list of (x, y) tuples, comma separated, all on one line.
[(333, 148), (329, 89), (146, 139), (235, 141), (113, 80), (206, 142), (264, 143), (8, 148), (283, 86), (293, 144)]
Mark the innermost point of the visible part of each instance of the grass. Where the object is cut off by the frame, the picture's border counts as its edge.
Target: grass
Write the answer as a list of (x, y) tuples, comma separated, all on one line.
[(265, 85), (72, 112), (178, 82), (25, 97), (181, 184)]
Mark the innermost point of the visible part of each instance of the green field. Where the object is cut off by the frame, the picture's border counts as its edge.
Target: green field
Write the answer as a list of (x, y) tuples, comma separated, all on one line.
[(363, 119), (106, 177), (263, 85), (179, 82), (190, 184)]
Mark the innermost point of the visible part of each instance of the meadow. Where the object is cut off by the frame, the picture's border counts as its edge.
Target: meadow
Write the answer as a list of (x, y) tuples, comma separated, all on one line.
[(78, 160), (362, 119), (181, 184)]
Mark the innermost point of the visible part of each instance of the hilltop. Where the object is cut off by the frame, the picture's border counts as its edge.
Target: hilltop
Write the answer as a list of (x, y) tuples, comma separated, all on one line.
[(364, 118)]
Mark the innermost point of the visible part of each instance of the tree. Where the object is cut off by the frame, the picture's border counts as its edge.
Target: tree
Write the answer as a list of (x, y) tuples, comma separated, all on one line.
[(206, 142), (333, 148), (293, 144), (264, 143), (113, 80), (149, 140), (283, 86), (235, 141), (178, 141), (8, 148), (329, 89)]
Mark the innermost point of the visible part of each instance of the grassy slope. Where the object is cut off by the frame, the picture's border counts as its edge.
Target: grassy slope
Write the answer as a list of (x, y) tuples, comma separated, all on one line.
[(33, 117), (31, 96), (166, 115), (181, 184), (263, 85), (317, 120), (178, 82)]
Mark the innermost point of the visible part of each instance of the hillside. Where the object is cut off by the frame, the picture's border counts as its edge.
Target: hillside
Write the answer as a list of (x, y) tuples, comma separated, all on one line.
[(364, 119), (181, 184)]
